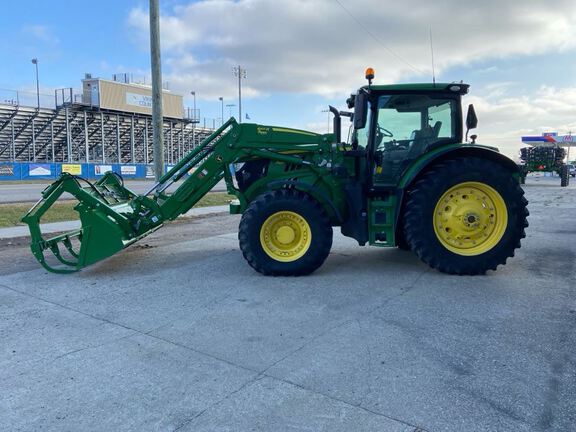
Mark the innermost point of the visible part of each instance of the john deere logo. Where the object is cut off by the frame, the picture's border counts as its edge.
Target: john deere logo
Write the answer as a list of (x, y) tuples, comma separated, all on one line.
[(219, 158), (263, 130)]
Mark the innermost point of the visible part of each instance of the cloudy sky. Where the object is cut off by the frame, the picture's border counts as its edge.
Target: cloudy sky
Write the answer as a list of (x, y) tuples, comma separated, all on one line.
[(301, 55)]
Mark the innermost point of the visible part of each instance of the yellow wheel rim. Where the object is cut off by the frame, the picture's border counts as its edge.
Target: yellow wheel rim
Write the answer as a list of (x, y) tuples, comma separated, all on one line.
[(470, 218), (285, 236)]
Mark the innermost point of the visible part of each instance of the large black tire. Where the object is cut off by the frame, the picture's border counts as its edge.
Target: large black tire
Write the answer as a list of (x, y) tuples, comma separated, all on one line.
[(427, 192), (401, 242), (564, 176), (279, 202)]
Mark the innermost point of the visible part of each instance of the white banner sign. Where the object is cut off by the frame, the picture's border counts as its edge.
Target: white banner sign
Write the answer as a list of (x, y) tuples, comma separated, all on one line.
[(101, 169), (128, 170), (139, 100)]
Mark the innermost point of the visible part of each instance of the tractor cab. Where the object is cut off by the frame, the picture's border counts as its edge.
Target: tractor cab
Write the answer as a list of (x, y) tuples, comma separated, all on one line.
[(397, 124)]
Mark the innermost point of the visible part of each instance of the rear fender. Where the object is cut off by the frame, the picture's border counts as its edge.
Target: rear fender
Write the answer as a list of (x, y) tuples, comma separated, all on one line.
[(426, 161), (450, 152)]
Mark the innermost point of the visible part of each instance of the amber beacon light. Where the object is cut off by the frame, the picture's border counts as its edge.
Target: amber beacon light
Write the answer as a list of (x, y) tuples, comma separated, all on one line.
[(369, 75)]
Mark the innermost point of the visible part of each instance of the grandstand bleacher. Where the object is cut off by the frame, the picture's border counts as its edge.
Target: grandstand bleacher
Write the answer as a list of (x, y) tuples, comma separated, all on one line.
[(77, 132)]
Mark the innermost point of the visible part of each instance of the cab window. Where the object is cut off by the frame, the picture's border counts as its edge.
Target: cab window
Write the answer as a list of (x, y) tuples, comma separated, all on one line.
[(406, 127)]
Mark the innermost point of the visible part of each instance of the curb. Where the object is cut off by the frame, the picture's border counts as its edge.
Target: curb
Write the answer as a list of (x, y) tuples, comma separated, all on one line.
[(49, 228)]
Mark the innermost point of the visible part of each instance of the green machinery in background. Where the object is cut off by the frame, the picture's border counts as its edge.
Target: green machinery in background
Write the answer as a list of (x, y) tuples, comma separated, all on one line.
[(544, 159), (406, 179)]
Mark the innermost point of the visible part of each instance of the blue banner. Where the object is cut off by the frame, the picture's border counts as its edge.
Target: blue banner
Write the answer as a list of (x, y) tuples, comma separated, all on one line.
[(92, 171)]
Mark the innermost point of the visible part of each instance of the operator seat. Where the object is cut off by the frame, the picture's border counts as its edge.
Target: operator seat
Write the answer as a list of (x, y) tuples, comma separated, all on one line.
[(424, 137)]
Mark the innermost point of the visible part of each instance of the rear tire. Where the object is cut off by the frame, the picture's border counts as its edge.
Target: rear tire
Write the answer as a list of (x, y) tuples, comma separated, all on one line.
[(401, 242), (285, 233), (564, 176), (465, 216)]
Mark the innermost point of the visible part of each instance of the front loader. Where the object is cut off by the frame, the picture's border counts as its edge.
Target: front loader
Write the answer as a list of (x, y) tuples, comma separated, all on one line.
[(406, 179)]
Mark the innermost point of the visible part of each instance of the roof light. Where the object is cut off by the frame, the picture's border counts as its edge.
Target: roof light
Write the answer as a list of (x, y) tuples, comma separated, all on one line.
[(369, 75)]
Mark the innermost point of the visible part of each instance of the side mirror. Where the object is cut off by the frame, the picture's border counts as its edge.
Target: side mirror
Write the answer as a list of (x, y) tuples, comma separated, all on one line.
[(360, 109), (350, 101), (471, 119)]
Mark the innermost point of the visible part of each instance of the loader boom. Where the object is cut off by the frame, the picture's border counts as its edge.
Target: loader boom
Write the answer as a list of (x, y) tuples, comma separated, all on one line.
[(113, 217)]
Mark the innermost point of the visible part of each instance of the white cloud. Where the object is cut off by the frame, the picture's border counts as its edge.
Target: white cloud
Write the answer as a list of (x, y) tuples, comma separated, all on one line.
[(502, 121), (316, 47)]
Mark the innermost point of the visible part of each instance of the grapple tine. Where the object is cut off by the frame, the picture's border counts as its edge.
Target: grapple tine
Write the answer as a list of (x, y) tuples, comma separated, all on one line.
[(112, 217), (54, 247), (68, 244), (39, 255)]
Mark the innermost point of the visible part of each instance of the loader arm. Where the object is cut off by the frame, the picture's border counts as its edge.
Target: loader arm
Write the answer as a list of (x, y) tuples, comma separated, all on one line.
[(113, 217)]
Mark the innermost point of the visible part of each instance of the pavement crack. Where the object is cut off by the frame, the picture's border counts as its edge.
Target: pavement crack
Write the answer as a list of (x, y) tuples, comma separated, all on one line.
[(93, 346), (351, 404), (211, 302), (218, 402), (394, 297), (136, 331), (308, 342)]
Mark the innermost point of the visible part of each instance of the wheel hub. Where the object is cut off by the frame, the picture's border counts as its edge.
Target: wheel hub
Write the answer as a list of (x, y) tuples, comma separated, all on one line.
[(470, 218), (285, 236)]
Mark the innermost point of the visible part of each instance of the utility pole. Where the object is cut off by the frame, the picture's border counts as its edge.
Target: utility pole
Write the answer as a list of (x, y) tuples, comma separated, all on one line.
[(35, 62), (569, 145), (221, 99), (157, 116), (240, 73)]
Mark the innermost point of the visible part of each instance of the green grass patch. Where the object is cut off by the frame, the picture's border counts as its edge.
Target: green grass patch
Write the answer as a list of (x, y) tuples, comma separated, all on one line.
[(10, 214), (215, 199)]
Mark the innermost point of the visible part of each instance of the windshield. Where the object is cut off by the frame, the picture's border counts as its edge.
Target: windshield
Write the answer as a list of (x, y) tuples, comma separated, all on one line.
[(414, 121), (406, 126)]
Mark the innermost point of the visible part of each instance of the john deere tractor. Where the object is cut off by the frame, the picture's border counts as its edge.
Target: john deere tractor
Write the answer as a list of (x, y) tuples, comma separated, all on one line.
[(406, 178)]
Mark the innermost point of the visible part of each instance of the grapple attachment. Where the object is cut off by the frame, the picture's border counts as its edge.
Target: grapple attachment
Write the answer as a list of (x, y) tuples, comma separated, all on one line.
[(112, 217)]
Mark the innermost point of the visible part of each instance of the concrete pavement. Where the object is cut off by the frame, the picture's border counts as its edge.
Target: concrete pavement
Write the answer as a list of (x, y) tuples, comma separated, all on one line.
[(182, 335)]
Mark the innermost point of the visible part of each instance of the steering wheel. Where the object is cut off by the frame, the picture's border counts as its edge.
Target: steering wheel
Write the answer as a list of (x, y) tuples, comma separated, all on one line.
[(384, 132)]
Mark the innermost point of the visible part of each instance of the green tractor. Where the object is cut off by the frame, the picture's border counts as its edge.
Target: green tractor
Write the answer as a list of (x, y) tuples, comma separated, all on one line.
[(405, 179)]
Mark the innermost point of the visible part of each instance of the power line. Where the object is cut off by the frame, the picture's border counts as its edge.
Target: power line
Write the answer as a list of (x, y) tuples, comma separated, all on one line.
[(377, 39), (432, 54)]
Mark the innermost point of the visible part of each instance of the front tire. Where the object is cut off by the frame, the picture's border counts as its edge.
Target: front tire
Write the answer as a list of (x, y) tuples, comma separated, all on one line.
[(465, 216), (285, 233)]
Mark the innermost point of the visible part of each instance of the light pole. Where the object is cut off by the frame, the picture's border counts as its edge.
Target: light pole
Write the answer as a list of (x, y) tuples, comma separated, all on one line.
[(230, 106), (35, 62), (193, 93), (221, 99), (328, 111), (240, 73)]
